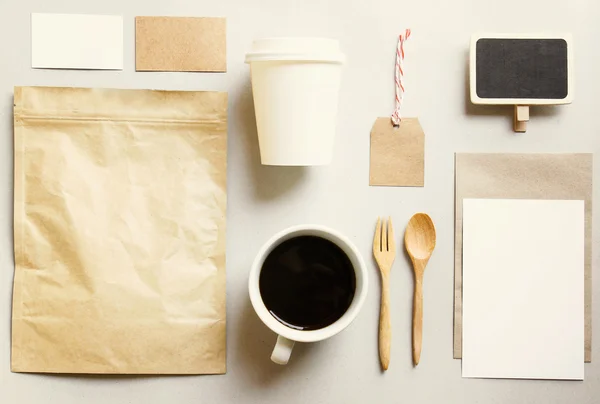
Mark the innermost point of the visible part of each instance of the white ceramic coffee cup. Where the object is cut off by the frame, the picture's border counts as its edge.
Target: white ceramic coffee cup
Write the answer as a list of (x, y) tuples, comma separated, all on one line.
[(286, 335), (295, 83)]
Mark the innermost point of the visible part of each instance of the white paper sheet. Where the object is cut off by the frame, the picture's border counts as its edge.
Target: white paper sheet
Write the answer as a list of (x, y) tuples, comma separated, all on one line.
[(531, 251), (75, 41)]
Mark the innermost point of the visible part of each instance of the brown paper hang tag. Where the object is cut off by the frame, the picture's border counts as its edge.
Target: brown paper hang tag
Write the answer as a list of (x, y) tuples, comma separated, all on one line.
[(397, 144), (397, 153)]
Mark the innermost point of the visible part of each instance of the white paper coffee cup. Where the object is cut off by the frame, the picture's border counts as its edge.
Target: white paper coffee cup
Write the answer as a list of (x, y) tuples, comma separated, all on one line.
[(295, 83)]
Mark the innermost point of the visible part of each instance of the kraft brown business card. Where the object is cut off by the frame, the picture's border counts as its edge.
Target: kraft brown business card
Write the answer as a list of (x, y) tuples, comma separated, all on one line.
[(180, 44)]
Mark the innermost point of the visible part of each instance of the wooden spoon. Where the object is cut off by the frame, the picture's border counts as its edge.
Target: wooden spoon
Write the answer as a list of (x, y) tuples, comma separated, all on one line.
[(419, 240)]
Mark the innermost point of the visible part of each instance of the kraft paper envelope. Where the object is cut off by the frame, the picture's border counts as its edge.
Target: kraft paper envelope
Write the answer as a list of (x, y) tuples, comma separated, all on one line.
[(119, 218), (180, 44), (523, 176)]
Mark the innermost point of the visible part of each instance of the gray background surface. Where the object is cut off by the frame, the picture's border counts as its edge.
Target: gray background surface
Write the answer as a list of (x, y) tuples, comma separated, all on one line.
[(264, 200)]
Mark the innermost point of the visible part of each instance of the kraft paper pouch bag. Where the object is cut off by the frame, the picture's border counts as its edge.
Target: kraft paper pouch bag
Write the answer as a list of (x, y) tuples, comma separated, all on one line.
[(119, 230)]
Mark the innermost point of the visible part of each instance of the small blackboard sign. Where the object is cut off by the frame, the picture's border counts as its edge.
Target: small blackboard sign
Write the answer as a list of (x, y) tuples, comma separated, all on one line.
[(521, 70), (515, 69)]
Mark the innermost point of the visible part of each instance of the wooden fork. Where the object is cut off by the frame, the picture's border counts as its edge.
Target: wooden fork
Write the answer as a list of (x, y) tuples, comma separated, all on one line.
[(384, 250)]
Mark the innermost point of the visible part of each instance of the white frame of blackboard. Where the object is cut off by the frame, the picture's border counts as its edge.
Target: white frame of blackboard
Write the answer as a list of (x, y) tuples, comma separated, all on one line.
[(475, 99)]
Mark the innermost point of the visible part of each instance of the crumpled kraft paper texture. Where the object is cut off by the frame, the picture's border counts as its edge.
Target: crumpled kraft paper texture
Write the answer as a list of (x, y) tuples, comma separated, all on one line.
[(523, 176), (119, 230)]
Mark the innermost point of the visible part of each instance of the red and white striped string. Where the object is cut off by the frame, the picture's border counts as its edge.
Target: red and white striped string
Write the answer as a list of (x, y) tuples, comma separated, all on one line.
[(399, 74)]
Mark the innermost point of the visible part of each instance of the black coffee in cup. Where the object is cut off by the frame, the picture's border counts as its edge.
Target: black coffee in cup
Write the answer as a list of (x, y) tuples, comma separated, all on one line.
[(307, 282)]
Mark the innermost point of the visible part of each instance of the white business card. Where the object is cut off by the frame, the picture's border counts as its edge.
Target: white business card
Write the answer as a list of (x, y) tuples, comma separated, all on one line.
[(77, 41)]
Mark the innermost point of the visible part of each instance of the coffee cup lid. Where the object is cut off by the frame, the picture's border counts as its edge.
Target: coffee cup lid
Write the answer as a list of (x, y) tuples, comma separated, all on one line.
[(301, 49)]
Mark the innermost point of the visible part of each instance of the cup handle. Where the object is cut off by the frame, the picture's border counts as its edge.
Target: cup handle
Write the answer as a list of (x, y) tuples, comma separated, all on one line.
[(282, 351)]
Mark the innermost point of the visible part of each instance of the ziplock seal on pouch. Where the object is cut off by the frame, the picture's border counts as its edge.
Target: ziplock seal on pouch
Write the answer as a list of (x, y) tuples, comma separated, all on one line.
[(119, 231)]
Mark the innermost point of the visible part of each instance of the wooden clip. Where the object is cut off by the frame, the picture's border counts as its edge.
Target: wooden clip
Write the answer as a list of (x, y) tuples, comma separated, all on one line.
[(521, 118)]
